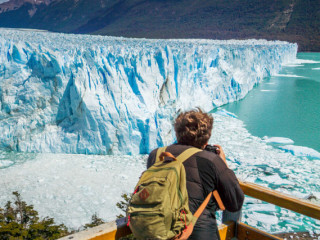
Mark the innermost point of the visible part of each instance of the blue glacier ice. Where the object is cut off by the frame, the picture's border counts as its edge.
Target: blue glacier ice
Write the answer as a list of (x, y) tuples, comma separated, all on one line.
[(65, 93)]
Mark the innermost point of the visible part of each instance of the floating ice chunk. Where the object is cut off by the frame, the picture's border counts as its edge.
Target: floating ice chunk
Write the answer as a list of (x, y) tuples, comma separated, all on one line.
[(301, 151), (317, 231), (315, 68), (288, 75), (223, 112), (5, 163), (265, 218), (252, 222), (292, 65), (293, 223), (317, 195), (261, 207), (305, 61), (278, 140), (299, 63), (275, 179)]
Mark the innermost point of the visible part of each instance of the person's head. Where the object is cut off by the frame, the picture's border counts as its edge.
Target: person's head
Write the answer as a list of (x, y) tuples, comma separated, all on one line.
[(193, 128)]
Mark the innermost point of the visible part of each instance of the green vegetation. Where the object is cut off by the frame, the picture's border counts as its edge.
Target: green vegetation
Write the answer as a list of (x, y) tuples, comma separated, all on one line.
[(95, 221), (19, 221), (123, 204)]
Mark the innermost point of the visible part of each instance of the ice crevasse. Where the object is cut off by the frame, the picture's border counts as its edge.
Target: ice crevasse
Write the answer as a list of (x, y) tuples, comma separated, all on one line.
[(105, 95)]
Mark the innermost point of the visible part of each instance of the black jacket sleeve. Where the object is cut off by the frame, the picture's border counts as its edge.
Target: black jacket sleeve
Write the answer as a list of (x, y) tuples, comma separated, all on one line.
[(229, 190), (215, 175)]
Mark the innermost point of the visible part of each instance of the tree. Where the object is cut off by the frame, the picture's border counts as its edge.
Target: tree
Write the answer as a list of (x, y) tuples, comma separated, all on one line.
[(95, 221), (20, 221), (123, 204)]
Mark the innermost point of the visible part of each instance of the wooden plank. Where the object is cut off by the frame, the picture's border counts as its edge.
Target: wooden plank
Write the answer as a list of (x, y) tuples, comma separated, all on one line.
[(245, 232), (115, 230), (227, 230), (114, 235), (111, 230), (281, 199)]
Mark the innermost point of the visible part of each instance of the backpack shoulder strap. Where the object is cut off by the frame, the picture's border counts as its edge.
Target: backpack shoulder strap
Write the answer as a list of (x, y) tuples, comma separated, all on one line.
[(159, 151), (188, 153), (184, 156)]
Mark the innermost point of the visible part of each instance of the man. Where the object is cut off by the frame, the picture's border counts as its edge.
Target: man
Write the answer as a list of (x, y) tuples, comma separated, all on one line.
[(205, 171)]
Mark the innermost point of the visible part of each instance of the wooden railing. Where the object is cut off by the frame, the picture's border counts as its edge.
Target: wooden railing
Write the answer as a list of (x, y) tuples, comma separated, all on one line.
[(117, 229), (280, 199)]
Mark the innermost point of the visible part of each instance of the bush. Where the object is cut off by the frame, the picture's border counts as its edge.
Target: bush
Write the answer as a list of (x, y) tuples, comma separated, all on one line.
[(95, 221), (20, 221), (123, 205)]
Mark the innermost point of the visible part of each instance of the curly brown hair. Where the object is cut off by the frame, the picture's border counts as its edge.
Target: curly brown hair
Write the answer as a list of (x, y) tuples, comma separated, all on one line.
[(193, 128)]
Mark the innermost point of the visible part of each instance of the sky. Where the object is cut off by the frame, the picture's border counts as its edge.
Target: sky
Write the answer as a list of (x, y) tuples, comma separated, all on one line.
[(2, 1)]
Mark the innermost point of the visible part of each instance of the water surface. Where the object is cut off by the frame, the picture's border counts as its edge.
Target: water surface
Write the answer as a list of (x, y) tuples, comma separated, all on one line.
[(286, 105)]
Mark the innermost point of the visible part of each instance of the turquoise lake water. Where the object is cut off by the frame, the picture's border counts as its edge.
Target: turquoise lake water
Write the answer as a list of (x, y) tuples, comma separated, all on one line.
[(286, 105)]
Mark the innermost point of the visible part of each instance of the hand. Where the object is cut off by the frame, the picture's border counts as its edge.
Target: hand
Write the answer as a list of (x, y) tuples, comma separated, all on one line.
[(221, 154)]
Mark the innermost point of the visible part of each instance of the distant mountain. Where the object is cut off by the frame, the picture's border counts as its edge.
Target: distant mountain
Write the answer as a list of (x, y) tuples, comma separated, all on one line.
[(58, 16), (290, 20), (13, 5)]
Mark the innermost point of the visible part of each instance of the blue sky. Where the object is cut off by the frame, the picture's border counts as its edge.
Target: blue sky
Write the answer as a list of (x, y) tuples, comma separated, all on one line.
[(2, 1)]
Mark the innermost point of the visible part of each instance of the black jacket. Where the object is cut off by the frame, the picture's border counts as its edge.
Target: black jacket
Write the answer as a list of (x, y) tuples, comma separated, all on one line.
[(205, 172)]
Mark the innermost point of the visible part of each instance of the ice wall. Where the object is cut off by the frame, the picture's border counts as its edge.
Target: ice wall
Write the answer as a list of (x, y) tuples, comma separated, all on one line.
[(104, 95)]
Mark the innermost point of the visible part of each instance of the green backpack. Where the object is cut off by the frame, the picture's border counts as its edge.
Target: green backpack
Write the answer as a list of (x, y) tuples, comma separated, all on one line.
[(159, 207)]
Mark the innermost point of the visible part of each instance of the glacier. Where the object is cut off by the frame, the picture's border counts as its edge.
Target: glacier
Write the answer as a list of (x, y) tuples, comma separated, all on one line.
[(102, 95), (63, 93)]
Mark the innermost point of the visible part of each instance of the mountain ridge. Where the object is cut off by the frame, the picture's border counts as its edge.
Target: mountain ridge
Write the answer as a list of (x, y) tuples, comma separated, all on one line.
[(289, 20), (16, 4)]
